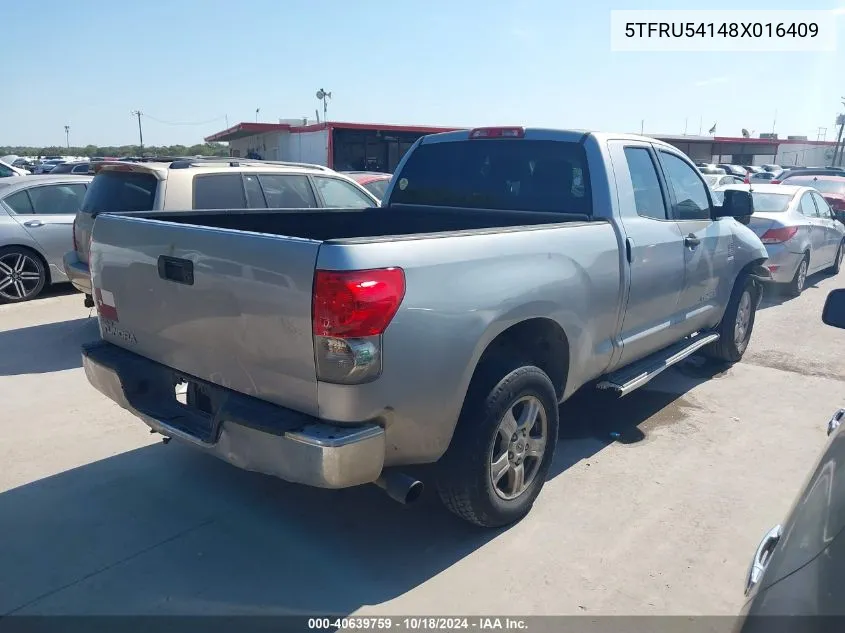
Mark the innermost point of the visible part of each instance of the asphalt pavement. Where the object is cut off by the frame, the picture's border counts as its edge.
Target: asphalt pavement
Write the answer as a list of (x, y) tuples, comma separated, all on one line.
[(655, 503)]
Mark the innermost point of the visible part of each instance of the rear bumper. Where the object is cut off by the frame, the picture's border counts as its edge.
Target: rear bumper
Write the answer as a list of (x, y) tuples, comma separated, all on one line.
[(782, 263), (246, 432), (77, 272)]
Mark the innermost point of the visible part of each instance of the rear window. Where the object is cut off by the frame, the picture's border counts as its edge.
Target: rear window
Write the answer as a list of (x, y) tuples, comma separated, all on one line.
[(120, 191), (825, 186), (509, 174), (770, 202)]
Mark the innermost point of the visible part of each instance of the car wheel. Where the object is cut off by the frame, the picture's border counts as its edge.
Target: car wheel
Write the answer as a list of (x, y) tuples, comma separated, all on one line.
[(737, 323), (837, 262), (503, 446), (795, 287), (22, 274)]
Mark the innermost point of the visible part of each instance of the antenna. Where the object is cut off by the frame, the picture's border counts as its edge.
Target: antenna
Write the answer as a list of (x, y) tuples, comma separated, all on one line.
[(322, 95)]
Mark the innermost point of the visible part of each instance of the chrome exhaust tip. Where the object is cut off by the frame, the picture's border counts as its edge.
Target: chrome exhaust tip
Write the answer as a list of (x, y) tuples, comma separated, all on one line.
[(400, 487)]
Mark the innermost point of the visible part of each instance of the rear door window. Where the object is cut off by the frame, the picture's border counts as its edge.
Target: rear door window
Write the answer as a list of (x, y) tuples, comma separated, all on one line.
[(377, 187), (120, 191), (338, 194), (648, 195), (219, 191), (807, 206), (509, 174), (287, 192), (57, 199), (254, 195)]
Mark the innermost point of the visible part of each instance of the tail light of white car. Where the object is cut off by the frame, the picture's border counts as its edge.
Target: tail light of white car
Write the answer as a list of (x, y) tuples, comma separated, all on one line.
[(350, 312), (779, 235)]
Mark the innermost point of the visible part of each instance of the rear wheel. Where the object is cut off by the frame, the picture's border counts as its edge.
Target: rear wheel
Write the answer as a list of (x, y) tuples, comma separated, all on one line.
[(795, 287), (737, 324), (837, 262), (503, 446), (22, 274)]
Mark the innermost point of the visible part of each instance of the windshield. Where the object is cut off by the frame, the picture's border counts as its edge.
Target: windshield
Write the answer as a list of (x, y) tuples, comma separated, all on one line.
[(120, 191), (770, 202), (825, 186), (514, 174)]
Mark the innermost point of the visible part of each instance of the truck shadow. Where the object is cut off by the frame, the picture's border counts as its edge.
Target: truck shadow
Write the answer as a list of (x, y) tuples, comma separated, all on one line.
[(40, 349), (164, 529), (774, 296), (591, 420)]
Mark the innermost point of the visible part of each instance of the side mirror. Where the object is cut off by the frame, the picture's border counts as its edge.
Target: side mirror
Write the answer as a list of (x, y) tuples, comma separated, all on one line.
[(834, 309), (736, 203)]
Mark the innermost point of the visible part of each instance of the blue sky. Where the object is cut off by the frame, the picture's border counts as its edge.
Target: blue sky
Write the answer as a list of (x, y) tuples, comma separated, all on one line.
[(534, 62)]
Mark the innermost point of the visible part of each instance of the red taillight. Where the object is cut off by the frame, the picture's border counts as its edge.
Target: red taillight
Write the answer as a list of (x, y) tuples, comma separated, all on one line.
[(776, 236), (497, 132), (356, 303), (775, 182)]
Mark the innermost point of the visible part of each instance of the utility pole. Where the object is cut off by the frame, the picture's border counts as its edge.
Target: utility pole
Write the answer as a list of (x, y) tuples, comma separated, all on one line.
[(837, 149), (138, 114), (67, 136)]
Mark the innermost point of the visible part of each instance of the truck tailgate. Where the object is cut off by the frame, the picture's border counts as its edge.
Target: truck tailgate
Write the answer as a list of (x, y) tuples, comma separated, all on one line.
[(234, 309)]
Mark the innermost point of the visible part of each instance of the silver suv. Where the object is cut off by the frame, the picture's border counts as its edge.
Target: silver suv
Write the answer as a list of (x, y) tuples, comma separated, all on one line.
[(204, 183)]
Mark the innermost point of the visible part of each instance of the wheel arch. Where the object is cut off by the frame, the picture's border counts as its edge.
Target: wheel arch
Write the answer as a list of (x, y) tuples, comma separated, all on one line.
[(538, 340)]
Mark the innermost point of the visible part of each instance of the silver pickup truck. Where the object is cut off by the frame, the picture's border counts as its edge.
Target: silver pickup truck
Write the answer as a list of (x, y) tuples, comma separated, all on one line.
[(506, 269)]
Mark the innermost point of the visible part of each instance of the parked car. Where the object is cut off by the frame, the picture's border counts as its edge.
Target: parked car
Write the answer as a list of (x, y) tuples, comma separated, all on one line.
[(761, 177), (832, 189), (36, 226), (76, 167), (753, 169), (373, 181), (735, 170), (8, 171), (773, 168), (204, 184), (794, 583), (806, 171), (801, 233), (46, 166), (715, 180), (373, 339)]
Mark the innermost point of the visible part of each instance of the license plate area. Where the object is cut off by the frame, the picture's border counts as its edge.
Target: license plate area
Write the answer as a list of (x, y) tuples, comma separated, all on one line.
[(198, 406)]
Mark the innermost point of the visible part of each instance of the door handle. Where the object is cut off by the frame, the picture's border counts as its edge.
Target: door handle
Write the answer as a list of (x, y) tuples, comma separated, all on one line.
[(33, 223), (691, 240), (762, 557)]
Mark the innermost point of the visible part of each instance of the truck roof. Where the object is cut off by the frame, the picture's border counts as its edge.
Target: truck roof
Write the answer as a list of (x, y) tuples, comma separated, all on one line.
[(546, 134)]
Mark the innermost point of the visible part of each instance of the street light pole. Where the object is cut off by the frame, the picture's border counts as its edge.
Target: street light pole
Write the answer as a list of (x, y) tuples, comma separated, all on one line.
[(138, 114), (67, 136)]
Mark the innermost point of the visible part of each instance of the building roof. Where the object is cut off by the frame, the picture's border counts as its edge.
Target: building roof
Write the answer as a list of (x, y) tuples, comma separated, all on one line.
[(244, 129)]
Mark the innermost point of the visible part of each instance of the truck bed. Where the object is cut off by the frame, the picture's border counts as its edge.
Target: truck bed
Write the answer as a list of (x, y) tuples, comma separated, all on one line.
[(355, 224)]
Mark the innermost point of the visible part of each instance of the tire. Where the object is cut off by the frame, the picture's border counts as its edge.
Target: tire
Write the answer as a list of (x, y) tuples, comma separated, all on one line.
[(837, 263), (465, 474), (23, 274), (732, 341), (795, 287)]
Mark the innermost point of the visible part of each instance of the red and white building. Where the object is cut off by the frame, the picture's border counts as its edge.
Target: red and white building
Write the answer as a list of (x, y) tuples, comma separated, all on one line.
[(379, 147), (341, 146)]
